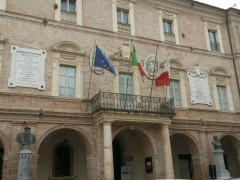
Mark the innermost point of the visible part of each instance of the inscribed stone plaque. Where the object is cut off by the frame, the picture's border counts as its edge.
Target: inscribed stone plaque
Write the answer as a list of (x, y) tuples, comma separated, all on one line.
[(199, 88), (27, 68)]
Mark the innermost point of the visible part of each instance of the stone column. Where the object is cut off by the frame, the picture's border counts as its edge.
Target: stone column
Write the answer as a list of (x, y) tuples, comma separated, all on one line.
[(169, 173), (197, 167), (108, 154), (222, 172), (24, 157)]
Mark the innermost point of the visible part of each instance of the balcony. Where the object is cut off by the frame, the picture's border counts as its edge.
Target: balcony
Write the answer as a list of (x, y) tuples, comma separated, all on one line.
[(105, 101), (214, 46), (68, 17)]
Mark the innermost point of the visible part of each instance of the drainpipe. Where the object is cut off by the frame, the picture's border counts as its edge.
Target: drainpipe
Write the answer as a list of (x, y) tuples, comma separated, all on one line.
[(233, 58)]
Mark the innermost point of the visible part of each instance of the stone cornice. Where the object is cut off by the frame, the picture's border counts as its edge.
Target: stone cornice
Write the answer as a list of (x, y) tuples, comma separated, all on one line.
[(127, 117), (106, 33)]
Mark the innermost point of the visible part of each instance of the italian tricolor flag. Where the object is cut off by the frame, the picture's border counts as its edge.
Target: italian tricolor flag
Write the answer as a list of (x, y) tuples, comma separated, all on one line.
[(136, 61), (163, 79)]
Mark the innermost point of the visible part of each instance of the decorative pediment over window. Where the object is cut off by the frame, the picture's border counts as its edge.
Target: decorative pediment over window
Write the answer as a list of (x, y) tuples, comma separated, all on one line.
[(176, 66), (219, 71), (125, 2), (123, 53), (68, 50)]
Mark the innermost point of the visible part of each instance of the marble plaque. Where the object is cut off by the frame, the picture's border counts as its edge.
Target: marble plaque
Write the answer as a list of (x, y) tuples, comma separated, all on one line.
[(199, 88), (27, 68)]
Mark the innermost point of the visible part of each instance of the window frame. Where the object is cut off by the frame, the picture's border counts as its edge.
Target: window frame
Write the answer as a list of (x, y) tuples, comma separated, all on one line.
[(67, 80), (77, 16), (165, 26), (220, 97), (170, 16), (178, 72), (175, 80), (68, 5), (69, 54), (121, 12), (220, 77), (214, 26), (213, 40), (129, 6)]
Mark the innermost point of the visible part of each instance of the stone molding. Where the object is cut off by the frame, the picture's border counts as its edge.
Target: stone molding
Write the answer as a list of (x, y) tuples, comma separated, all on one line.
[(70, 54)]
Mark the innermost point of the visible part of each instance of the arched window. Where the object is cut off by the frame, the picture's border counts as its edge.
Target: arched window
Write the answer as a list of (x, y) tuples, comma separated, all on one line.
[(63, 160)]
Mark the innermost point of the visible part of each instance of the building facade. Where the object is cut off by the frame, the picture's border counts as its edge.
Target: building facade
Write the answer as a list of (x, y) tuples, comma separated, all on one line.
[(92, 130)]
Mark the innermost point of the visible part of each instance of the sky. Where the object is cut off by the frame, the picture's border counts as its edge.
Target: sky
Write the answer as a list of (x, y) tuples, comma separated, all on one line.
[(225, 4)]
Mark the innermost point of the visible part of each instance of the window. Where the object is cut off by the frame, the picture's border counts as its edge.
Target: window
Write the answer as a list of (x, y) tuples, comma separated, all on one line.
[(214, 45), (67, 81), (222, 98), (126, 85), (122, 16), (68, 6), (213, 34), (175, 92), (167, 27)]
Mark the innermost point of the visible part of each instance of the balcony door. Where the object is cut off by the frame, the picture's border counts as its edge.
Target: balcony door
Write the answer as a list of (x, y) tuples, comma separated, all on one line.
[(126, 91)]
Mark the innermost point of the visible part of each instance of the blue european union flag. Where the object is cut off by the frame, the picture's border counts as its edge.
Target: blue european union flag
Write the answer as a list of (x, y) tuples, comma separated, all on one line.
[(102, 62)]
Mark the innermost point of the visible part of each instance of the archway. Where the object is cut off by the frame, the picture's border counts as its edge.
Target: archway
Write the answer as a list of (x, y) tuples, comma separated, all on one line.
[(186, 157), (1, 159), (62, 155), (231, 148), (133, 153)]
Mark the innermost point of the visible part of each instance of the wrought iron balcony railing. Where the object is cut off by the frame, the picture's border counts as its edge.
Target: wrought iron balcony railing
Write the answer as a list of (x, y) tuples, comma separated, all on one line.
[(105, 101), (214, 46)]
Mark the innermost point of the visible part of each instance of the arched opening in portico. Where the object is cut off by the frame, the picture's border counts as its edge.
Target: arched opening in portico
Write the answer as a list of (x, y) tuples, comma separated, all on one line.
[(62, 155), (133, 152), (1, 159), (186, 157), (231, 148)]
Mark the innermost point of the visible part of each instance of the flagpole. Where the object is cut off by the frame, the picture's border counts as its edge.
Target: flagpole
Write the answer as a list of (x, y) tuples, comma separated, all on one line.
[(128, 75), (153, 77), (89, 85)]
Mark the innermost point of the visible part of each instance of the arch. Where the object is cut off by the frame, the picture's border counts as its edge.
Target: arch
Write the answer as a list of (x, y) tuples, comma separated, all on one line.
[(190, 136), (186, 148), (231, 148), (91, 148), (219, 71), (129, 127), (229, 134), (5, 143), (68, 47)]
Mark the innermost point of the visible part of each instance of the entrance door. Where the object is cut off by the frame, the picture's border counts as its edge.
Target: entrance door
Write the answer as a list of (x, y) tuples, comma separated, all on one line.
[(117, 156), (185, 166)]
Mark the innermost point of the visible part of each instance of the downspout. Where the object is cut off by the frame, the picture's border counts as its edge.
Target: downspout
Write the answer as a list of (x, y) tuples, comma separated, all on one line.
[(233, 58)]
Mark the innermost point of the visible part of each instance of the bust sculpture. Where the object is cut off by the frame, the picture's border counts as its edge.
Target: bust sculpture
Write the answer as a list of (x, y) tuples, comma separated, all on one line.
[(26, 138), (216, 143)]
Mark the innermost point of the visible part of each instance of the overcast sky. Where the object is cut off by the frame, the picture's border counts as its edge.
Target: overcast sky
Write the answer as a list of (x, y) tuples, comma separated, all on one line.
[(225, 4)]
